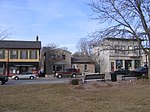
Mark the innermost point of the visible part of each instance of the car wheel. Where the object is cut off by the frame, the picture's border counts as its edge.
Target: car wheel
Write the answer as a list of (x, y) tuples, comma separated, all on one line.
[(16, 78), (59, 76), (1, 82), (73, 75), (31, 77)]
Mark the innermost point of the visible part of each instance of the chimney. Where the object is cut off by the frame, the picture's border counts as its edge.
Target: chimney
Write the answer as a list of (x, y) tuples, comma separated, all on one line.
[(37, 38)]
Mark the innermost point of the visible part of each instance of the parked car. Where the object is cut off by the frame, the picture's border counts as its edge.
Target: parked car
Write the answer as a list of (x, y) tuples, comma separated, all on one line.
[(25, 75), (3, 79), (141, 71), (122, 72), (138, 72), (41, 73), (71, 72)]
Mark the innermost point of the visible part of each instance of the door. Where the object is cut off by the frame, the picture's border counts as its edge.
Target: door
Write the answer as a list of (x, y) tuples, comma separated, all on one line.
[(128, 64), (112, 66)]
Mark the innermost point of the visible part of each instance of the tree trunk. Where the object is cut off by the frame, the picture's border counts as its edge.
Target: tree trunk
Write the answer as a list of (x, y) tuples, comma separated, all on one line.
[(149, 65)]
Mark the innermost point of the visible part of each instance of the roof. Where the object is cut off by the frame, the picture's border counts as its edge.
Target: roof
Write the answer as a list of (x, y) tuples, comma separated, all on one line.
[(20, 44), (122, 39), (82, 60)]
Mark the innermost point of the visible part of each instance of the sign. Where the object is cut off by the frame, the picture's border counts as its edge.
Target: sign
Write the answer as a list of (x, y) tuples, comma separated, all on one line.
[(95, 76)]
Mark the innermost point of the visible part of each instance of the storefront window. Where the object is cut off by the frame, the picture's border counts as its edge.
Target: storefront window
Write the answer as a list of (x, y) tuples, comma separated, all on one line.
[(1, 70), (136, 63), (119, 64), (13, 70)]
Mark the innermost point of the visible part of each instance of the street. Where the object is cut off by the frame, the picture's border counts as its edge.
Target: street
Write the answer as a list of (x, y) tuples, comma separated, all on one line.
[(46, 80), (43, 80)]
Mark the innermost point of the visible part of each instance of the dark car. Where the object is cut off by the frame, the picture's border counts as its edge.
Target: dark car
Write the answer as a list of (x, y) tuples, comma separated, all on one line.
[(142, 71), (3, 79), (122, 72), (72, 72), (41, 73)]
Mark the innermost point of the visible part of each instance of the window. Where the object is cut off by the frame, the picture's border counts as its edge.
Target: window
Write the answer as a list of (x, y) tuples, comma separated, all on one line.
[(53, 56), (2, 54), (137, 63), (63, 56), (123, 49), (116, 49), (13, 54), (130, 49), (24, 54), (136, 50), (33, 54), (85, 67)]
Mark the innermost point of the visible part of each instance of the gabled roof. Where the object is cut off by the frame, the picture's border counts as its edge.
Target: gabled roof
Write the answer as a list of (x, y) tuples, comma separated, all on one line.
[(20, 44)]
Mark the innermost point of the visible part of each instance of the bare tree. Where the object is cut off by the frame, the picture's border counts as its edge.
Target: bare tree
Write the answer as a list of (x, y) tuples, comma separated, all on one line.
[(126, 18), (83, 47), (4, 34)]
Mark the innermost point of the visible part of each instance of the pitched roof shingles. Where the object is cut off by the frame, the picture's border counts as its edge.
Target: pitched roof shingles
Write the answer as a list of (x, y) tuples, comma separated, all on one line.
[(20, 44)]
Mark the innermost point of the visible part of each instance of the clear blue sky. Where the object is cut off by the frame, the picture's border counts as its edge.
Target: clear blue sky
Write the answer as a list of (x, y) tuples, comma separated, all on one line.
[(62, 22)]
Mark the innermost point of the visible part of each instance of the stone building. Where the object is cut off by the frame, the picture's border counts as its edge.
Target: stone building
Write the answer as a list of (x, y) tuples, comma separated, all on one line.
[(56, 60), (83, 64), (116, 53)]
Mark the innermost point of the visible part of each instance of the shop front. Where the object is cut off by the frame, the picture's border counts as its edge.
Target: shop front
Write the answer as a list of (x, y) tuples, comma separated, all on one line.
[(18, 68), (125, 64)]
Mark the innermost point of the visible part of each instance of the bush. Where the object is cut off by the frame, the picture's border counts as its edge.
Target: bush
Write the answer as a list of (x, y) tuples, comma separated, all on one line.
[(145, 76), (75, 81)]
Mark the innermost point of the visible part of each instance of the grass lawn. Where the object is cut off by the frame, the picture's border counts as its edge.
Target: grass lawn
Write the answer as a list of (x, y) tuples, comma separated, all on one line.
[(94, 97)]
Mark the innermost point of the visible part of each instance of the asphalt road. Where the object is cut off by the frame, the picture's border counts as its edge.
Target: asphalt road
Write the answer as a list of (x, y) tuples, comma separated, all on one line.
[(42, 80)]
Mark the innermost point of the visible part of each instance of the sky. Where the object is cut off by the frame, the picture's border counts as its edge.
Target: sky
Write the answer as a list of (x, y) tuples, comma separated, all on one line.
[(61, 22)]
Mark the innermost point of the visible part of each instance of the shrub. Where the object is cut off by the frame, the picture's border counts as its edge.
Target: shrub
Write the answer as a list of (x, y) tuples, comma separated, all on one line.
[(145, 76), (75, 81)]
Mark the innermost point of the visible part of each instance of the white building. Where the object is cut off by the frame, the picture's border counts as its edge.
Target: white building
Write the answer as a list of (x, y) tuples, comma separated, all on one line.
[(115, 53)]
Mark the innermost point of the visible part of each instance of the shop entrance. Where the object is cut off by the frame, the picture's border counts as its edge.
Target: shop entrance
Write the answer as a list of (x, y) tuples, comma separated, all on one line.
[(128, 64)]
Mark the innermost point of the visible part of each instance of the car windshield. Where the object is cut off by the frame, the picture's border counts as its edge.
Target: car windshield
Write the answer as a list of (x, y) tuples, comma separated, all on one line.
[(26, 73), (66, 70), (139, 69)]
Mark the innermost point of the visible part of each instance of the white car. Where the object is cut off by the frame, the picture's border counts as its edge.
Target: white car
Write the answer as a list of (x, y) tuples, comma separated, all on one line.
[(26, 75)]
